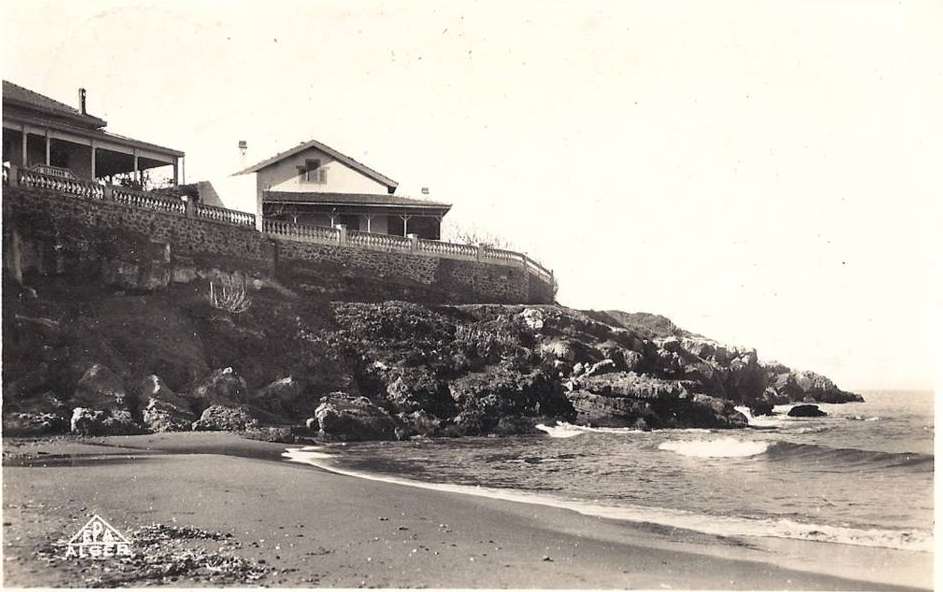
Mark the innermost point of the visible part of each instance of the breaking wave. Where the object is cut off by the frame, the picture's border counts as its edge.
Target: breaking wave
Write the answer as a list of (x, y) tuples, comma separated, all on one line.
[(914, 540), (568, 430), (720, 448)]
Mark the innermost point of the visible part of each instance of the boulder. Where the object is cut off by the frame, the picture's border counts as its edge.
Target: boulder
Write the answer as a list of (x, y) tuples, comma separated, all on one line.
[(283, 396), (345, 417), (164, 410), (101, 388), (558, 349), (94, 422), (533, 318), (222, 387), (626, 399), (420, 423), (761, 407), (611, 412), (217, 418), (34, 424), (806, 411)]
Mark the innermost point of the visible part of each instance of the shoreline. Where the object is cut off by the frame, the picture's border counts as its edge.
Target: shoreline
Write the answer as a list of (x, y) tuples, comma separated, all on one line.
[(718, 526), (333, 531)]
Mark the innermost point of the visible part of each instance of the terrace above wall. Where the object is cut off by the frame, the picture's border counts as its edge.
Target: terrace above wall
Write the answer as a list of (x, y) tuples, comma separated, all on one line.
[(438, 271)]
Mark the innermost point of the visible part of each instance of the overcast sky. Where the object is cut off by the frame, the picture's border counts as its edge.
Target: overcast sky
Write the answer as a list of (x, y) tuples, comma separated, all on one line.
[(764, 173)]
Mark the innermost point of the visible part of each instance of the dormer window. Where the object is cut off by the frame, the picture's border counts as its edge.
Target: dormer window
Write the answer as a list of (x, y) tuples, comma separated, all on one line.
[(312, 172)]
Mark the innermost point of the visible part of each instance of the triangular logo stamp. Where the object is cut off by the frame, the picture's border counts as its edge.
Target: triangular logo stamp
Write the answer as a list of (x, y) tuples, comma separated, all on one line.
[(98, 540)]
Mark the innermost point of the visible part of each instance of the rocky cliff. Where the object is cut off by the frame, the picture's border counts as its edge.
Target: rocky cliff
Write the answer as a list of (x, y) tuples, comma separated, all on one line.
[(91, 359)]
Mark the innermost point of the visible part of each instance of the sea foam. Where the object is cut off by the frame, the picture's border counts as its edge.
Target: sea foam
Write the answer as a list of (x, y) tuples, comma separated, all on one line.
[(708, 524), (720, 448)]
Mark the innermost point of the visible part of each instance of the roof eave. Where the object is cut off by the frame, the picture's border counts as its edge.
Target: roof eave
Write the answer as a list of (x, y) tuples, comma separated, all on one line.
[(79, 118)]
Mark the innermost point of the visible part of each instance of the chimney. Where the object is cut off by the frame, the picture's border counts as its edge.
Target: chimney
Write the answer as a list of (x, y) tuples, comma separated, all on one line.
[(82, 100), (243, 147)]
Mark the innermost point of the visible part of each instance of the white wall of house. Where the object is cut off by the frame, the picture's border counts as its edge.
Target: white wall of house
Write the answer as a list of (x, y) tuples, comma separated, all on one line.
[(234, 192), (283, 176)]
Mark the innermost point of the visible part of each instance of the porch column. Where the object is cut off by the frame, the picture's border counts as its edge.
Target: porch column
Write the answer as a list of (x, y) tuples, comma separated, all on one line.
[(48, 162), (93, 160), (176, 160), (405, 225), (137, 173), (369, 220), (24, 141)]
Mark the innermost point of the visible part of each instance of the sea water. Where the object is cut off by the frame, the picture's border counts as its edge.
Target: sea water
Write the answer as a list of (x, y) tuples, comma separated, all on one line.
[(862, 475)]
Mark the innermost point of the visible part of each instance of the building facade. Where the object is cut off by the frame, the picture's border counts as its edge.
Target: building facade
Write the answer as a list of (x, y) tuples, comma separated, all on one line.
[(315, 184)]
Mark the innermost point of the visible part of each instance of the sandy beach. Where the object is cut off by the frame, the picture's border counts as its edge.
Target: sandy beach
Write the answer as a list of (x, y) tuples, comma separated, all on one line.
[(295, 525)]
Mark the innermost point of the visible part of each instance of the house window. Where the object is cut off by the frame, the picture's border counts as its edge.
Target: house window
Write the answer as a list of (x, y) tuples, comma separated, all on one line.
[(312, 172)]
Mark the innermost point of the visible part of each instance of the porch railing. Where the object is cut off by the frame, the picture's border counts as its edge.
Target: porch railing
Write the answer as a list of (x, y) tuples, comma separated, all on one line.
[(78, 187), (275, 228), (302, 232), (224, 215), (142, 199)]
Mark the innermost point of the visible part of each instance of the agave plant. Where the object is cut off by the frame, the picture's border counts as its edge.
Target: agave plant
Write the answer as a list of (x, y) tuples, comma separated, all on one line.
[(230, 296)]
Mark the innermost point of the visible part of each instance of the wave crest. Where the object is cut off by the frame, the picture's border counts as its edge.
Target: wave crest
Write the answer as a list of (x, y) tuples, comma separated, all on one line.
[(720, 448)]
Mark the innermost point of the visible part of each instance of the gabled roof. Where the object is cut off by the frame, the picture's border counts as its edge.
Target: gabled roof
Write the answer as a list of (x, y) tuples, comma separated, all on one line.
[(13, 94), (343, 158), (351, 199)]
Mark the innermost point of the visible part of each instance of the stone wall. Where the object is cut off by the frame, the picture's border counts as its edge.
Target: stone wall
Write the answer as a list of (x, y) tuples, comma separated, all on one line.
[(49, 232)]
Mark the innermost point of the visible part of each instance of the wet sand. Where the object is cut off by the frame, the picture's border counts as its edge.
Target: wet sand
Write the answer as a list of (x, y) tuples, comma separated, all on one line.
[(309, 527)]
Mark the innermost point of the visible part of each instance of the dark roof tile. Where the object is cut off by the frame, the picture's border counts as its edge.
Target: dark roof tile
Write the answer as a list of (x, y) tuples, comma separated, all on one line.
[(359, 199), (16, 94)]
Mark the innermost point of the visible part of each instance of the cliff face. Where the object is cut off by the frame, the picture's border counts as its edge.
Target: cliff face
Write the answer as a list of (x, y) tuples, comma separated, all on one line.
[(89, 359)]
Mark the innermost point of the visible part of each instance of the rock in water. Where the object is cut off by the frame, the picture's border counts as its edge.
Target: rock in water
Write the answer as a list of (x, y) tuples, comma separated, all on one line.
[(806, 411), (345, 417)]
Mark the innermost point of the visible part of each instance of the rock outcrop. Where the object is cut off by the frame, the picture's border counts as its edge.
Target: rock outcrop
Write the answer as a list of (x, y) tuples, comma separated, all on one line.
[(95, 422), (164, 411), (352, 371), (806, 411), (222, 418), (790, 385), (626, 399), (344, 417)]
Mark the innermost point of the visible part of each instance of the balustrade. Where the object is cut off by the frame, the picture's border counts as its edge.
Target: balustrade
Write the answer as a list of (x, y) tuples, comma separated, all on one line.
[(142, 199), (78, 187), (224, 215), (301, 232)]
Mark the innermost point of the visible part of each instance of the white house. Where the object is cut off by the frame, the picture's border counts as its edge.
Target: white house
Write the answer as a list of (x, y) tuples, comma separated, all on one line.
[(315, 184)]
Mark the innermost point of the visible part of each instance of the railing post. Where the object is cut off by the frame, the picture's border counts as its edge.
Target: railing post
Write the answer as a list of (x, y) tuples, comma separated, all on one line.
[(341, 233), (14, 176), (190, 210), (480, 251), (413, 241), (108, 192)]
